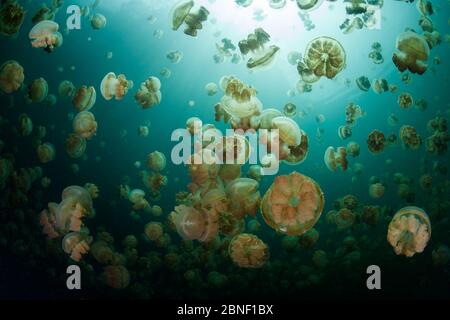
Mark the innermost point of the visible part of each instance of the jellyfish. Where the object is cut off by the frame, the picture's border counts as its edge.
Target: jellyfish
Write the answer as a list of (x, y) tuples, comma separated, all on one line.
[(143, 131), (289, 131), (116, 276), (149, 93), (334, 159), (308, 4), (294, 57), (66, 89), (376, 141), (376, 190), (409, 231), (84, 99), (352, 113), (12, 15), (421, 104), (244, 197), (153, 230), (412, 54), (46, 152), (344, 219), (293, 204), (82, 196), (98, 21), (137, 198), (410, 138), (297, 154), (47, 219), (180, 12), (426, 181), (353, 149), (255, 45), (193, 224), (165, 72), (441, 255), (84, 124), (320, 259), (45, 35), (255, 172), (344, 132), (11, 76), (405, 100), (380, 85), (363, 83), (174, 56), (248, 251), (76, 244), (370, 215), (309, 238), (290, 110), (392, 120), (75, 145), (211, 89), (37, 90), (113, 86), (325, 56)]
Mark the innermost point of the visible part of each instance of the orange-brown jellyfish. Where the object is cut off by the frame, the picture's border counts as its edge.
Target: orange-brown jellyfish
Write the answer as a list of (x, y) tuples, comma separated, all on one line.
[(84, 124), (37, 90), (156, 161), (113, 86), (11, 76), (405, 100), (248, 251), (76, 244), (116, 277), (409, 231), (334, 159), (376, 190), (45, 35), (84, 98), (46, 152), (153, 230), (149, 93), (412, 54), (344, 218), (75, 145), (244, 197), (376, 141), (12, 15), (410, 138), (193, 224), (293, 204)]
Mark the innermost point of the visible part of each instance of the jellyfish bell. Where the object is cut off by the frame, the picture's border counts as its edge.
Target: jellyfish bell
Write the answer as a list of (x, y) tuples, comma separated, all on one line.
[(12, 15), (84, 124), (113, 86), (248, 251), (376, 190), (45, 35), (189, 222), (298, 154), (409, 231), (363, 83), (290, 109), (309, 5), (149, 93), (376, 141), (334, 159), (344, 132), (289, 131), (46, 152), (37, 90), (294, 57), (412, 53), (179, 13), (240, 100), (76, 244), (244, 197), (405, 100), (75, 145), (211, 89), (98, 21), (11, 76), (325, 56), (84, 99), (293, 204)]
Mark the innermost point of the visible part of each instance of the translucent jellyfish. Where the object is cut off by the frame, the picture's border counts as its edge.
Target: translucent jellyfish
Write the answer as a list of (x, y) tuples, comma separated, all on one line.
[(421, 104), (267, 115), (211, 89), (289, 131), (116, 277), (244, 197), (353, 149), (405, 100), (277, 4), (37, 90), (180, 12), (12, 15), (66, 89), (174, 56), (298, 154), (334, 159), (412, 54), (11, 76), (410, 138), (294, 57), (156, 161), (98, 21), (441, 255), (25, 125), (293, 204), (352, 113), (307, 77), (137, 198), (81, 196), (143, 131), (149, 93), (165, 72), (92, 189), (376, 190), (153, 230), (113, 86), (363, 83), (392, 120), (192, 224), (76, 244), (84, 124), (46, 152), (157, 211), (45, 35), (261, 55), (75, 145), (380, 85), (248, 251), (344, 132), (376, 141), (320, 259), (344, 219), (309, 238), (255, 172), (409, 231), (50, 100), (371, 215), (84, 99), (325, 56), (308, 4), (426, 181), (290, 110), (47, 219)]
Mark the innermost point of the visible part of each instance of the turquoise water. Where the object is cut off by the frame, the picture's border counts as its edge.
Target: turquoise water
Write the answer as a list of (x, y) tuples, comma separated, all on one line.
[(111, 153)]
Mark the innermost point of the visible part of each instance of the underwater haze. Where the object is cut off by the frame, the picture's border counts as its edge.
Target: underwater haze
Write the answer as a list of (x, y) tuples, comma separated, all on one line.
[(358, 91)]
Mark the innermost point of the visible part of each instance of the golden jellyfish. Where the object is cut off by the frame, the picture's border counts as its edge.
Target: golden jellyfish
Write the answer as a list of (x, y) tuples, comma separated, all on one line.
[(37, 90), (405, 100), (12, 15), (248, 251), (84, 99), (76, 244), (157, 211), (349, 201), (409, 231), (254, 172), (345, 132), (298, 154), (211, 89), (293, 204), (193, 224), (75, 145), (194, 125), (376, 190), (98, 21), (149, 93), (84, 124), (46, 152), (81, 196), (11, 76), (25, 125), (376, 141), (308, 4), (137, 198), (363, 83), (290, 110), (371, 215), (309, 238), (156, 161), (153, 230), (113, 86), (412, 54), (353, 149), (92, 189), (102, 252), (410, 138), (320, 259), (45, 35), (47, 220), (334, 159), (267, 115), (345, 218), (244, 197), (289, 131), (325, 56), (116, 277), (352, 113)]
